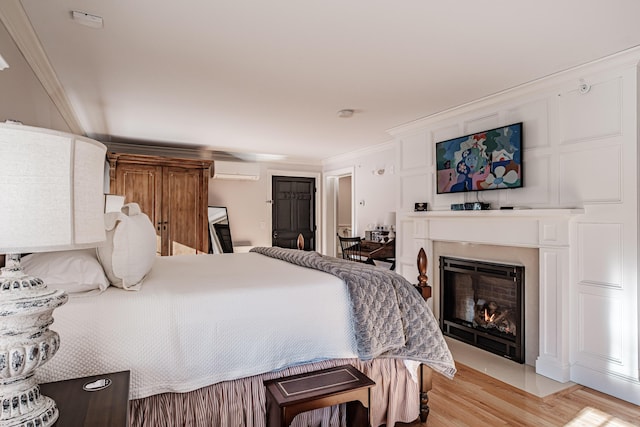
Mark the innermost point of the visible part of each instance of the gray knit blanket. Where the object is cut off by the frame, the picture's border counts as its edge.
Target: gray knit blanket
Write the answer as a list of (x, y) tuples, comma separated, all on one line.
[(390, 318)]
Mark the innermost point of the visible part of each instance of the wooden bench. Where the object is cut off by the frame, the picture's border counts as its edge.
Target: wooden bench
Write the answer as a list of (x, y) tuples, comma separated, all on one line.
[(292, 395)]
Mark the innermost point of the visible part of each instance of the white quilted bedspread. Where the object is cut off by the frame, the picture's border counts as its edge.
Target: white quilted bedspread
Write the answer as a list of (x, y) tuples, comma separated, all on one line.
[(202, 319)]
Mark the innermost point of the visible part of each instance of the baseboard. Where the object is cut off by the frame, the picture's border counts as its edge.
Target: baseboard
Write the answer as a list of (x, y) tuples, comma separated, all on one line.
[(550, 368), (623, 388)]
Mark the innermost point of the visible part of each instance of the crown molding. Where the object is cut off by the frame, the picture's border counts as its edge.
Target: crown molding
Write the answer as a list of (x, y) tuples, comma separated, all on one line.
[(626, 58), (357, 154), (15, 19)]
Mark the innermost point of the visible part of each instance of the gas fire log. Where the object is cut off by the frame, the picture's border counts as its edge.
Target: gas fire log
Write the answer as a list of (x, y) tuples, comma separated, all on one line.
[(489, 315)]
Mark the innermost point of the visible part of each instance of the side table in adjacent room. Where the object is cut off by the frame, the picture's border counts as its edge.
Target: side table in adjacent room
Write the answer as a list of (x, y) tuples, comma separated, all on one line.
[(96, 401)]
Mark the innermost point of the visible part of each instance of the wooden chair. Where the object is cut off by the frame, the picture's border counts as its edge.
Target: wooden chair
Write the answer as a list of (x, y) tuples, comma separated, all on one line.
[(352, 248)]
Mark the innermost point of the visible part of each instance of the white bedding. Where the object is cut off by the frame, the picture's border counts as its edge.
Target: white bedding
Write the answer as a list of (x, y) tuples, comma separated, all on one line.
[(202, 319)]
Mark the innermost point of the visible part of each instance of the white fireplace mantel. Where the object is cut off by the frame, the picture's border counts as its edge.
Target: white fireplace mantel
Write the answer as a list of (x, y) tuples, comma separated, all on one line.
[(548, 230), (522, 227), (516, 213)]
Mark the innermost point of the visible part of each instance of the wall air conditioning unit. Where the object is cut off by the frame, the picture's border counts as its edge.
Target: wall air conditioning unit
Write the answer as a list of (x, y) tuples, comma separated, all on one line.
[(244, 171)]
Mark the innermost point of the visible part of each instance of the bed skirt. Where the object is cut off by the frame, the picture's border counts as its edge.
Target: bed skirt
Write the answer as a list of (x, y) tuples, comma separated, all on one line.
[(241, 402)]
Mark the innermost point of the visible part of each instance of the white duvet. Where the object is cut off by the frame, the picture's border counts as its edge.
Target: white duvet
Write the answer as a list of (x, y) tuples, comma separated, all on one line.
[(202, 319)]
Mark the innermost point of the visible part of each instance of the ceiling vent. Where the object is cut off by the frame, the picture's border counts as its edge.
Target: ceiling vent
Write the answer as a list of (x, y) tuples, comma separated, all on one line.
[(236, 170)]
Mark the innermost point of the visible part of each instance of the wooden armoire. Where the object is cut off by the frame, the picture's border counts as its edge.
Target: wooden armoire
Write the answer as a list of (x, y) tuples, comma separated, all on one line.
[(172, 192)]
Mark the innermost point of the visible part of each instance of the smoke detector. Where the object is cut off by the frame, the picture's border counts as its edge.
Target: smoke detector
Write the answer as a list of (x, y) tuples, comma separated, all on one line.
[(345, 114)]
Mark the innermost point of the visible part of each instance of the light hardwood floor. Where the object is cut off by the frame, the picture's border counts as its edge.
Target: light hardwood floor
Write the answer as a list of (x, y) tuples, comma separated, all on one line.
[(475, 399)]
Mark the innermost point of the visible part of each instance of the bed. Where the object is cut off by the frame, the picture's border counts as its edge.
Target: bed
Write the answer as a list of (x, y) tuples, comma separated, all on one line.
[(200, 333)]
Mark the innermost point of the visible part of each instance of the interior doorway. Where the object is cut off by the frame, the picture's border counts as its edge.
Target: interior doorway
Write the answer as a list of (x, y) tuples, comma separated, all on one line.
[(339, 205), (293, 211), (318, 224), (344, 209)]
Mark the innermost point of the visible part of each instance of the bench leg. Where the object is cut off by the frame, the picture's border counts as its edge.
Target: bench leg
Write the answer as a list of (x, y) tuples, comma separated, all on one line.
[(274, 417), (357, 414)]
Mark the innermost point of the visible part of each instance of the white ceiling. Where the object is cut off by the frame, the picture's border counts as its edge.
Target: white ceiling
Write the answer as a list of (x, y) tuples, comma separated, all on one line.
[(269, 76)]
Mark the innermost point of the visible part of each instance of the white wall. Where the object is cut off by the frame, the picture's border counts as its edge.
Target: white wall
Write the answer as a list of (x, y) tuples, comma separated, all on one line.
[(22, 97), (374, 192), (248, 206), (580, 150)]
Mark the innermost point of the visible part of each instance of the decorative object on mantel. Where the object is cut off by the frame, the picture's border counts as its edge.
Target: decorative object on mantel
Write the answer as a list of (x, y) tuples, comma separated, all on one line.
[(474, 206), (423, 285), (51, 200), (420, 207)]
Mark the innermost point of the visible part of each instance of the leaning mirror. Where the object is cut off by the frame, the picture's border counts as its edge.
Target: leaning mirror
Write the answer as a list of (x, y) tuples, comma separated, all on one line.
[(219, 232)]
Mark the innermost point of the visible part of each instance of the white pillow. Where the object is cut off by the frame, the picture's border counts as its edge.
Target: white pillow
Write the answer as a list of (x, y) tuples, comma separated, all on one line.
[(130, 250), (77, 272)]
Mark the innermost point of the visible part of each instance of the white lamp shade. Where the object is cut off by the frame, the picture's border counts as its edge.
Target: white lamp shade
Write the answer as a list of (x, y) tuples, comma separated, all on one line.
[(113, 202), (390, 219), (51, 196)]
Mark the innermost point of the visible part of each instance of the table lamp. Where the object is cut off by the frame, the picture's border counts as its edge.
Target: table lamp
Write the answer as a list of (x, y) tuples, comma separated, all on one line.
[(51, 199), (113, 203), (390, 224)]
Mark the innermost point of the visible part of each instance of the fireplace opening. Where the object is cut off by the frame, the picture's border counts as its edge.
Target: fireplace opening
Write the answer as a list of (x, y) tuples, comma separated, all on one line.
[(482, 304)]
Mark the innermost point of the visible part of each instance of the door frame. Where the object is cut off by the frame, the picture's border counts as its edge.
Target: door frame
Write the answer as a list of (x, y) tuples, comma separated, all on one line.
[(330, 198), (303, 174)]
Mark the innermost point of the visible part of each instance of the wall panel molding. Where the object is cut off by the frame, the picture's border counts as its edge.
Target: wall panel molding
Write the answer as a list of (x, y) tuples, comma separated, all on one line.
[(535, 118), (414, 151), (590, 174), (582, 117), (600, 320), (600, 254), (414, 188), (537, 190), (479, 124)]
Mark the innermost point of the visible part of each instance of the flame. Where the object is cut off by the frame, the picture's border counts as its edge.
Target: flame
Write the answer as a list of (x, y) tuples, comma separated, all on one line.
[(488, 318)]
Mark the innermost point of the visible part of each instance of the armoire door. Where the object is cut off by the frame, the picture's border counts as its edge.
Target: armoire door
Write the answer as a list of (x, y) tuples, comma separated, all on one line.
[(142, 184), (184, 211), (173, 192)]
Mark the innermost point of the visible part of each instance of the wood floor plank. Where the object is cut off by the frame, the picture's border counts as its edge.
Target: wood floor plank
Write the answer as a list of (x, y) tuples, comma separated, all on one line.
[(475, 399)]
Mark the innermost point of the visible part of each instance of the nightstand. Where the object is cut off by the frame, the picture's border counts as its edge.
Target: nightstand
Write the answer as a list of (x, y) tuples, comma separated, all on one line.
[(106, 406)]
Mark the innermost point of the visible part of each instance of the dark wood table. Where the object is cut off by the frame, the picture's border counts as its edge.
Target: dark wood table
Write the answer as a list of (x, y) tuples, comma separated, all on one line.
[(379, 251), (103, 407)]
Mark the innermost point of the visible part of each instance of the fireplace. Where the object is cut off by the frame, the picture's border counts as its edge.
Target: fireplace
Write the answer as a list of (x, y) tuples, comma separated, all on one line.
[(482, 304), (539, 239)]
